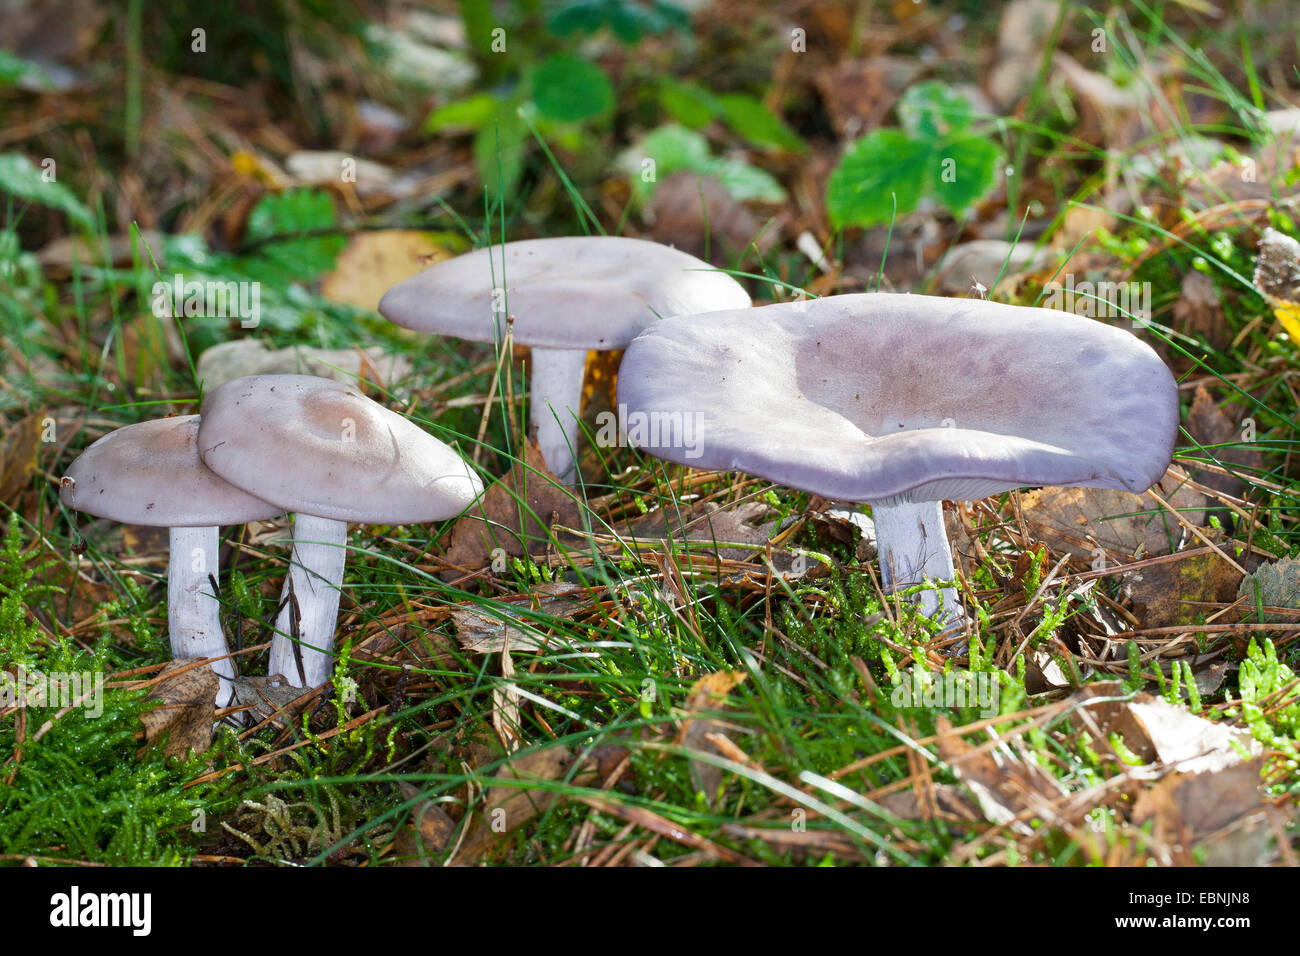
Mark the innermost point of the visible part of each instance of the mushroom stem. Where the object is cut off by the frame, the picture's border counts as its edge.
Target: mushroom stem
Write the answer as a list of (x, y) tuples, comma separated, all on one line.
[(556, 384), (912, 545), (193, 611), (315, 574)]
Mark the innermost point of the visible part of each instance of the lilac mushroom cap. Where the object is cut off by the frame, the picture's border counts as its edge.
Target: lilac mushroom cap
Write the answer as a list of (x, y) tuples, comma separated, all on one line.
[(567, 296), (150, 474), (901, 401), (323, 450)]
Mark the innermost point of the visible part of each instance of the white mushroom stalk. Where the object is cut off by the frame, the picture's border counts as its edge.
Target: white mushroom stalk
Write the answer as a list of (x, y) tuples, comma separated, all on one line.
[(193, 611), (555, 393), (150, 474), (311, 594), (325, 452), (912, 547)]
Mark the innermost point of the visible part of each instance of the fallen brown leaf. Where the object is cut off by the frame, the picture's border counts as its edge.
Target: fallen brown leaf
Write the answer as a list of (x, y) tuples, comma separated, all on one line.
[(506, 808), (1004, 785), (1222, 812), (1160, 593), (1208, 424), (188, 708), (709, 693), (373, 262), (513, 518), (1124, 525)]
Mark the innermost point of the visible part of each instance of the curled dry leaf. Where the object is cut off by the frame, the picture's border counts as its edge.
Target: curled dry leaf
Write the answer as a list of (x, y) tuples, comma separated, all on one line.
[(187, 691), (506, 717), (1189, 743), (488, 634)]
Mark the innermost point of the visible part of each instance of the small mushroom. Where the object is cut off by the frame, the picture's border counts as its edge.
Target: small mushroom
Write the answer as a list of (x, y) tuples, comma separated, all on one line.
[(323, 450), (567, 296), (150, 474), (902, 401)]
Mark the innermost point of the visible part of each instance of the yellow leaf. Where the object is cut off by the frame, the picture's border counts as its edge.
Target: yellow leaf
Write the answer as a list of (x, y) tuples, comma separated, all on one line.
[(1288, 313)]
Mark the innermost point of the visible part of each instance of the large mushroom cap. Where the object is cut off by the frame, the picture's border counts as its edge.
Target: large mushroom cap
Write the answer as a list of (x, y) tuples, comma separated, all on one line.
[(580, 292), (320, 447), (150, 474), (884, 398)]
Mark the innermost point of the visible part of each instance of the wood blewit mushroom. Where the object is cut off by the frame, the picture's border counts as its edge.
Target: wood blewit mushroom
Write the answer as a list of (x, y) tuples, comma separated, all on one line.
[(150, 474), (903, 401), (567, 296), (321, 449)]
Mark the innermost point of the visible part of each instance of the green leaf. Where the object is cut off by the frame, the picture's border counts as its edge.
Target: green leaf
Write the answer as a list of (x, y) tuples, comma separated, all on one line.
[(479, 22), (674, 148), (751, 119), (971, 163), (744, 181), (289, 220), (569, 89), (629, 20), (688, 103), (931, 109), (874, 170), (471, 113), (14, 68), (24, 180)]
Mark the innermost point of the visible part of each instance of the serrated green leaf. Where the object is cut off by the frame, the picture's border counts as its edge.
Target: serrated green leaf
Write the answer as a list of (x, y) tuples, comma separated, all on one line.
[(292, 221), (754, 121), (932, 109), (569, 89), (471, 113), (21, 178), (875, 170), (965, 169)]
